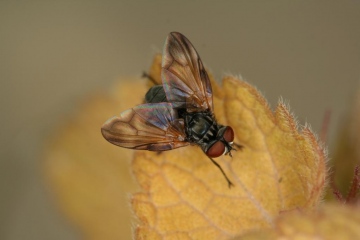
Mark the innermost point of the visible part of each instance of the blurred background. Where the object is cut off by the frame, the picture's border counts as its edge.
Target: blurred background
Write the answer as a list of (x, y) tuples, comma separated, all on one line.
[(55, 53)]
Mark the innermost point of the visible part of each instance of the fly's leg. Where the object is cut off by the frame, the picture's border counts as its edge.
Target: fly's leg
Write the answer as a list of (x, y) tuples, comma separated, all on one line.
[(230, 184)]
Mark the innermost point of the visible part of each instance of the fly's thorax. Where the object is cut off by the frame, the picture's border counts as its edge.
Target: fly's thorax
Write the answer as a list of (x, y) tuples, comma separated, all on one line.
[(200, 126)]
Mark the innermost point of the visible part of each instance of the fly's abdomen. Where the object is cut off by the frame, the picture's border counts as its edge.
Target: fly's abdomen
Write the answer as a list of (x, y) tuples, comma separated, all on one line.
[(156, 94)]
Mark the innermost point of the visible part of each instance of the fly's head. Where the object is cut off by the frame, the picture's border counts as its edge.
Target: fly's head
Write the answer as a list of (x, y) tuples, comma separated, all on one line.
[(223, 144)]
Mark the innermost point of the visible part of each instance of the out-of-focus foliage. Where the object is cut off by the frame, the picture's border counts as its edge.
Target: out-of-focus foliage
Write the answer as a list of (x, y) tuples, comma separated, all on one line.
[(90, 178)]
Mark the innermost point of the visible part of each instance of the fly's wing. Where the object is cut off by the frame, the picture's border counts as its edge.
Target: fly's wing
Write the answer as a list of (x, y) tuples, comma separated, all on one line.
[(184, 77), (153, 127)]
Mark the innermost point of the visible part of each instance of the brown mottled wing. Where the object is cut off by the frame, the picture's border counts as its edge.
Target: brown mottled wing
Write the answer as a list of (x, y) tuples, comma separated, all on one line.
[(184, 77), (153, 127)]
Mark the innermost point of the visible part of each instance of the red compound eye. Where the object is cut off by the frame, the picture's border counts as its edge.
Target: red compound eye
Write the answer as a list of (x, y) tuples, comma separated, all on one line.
[(229, 134), (216, 150)]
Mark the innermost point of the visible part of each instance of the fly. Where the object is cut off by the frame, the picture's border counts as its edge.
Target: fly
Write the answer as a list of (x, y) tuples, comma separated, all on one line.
[(177, 113)]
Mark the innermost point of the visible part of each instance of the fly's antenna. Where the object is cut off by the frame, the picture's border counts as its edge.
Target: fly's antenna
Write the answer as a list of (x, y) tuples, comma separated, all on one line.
[(238, 146)]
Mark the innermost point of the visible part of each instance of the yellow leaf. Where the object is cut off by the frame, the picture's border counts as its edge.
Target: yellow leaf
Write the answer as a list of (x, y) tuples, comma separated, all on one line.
[(330, 222), (184, 196), (89, 177)]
